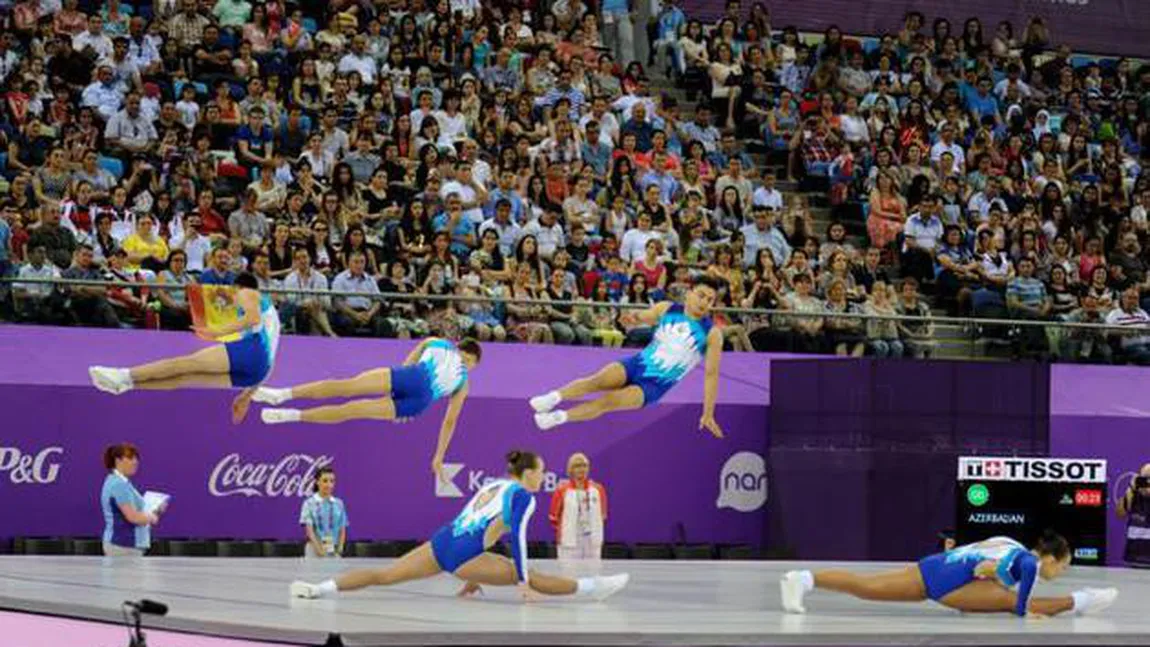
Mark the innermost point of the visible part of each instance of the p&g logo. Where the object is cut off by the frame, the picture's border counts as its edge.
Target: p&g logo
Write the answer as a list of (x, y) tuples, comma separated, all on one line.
[(29, 469), (743, 483)]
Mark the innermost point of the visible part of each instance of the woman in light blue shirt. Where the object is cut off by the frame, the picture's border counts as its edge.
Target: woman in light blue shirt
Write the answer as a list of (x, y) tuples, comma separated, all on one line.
[(324, 517), (127, 528)]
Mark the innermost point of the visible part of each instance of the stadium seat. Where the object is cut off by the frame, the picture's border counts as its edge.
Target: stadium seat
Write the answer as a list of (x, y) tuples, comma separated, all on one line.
[(160, 548), (45, 546), (615, 550), (310, 25), (651, 551), (283, 549), (235, 548), (86, 546), (405, 546), (3, 162), (5, 546), (694, 551), (111, 165), (191, 548)]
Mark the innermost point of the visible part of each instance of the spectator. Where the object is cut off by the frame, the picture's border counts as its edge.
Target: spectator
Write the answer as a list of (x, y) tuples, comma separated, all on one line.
[(248, 224), (218, 271), (763, 234), (578, 514), (1026, 298), (357, 314), (564, 326), (146, 248), (306, 312), (528, 321), (174, 311), (1135, 343), (58, 243), (882, 334), (88, 303), (38, 302), (844, 334), (922, 235), (917, 334)]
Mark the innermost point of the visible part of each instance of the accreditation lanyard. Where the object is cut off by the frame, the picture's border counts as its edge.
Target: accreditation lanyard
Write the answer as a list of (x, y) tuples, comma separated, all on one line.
[(326, 530)]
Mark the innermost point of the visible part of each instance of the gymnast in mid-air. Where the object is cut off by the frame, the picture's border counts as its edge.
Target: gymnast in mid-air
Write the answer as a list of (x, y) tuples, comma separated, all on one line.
[(501, 507), (975, 578), (242, 362), (435, 368), (684, 336)]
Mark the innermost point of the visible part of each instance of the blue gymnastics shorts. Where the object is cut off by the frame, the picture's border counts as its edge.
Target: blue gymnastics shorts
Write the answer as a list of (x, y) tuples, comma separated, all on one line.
[(941, 577), (248, 361), (411, 390), (452, 552), (653, 389)]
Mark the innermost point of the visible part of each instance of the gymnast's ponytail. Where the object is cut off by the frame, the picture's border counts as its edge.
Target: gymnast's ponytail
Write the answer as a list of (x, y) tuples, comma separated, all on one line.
[(519, 461), (1053, 544)]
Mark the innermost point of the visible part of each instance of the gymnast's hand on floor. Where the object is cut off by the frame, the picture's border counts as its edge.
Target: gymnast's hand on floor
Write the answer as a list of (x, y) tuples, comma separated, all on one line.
[(469, 589), (1036, 616), (708, 423)]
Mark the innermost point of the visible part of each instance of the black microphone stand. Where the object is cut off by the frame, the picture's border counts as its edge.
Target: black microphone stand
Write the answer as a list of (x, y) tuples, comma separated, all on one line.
[(136, 636)]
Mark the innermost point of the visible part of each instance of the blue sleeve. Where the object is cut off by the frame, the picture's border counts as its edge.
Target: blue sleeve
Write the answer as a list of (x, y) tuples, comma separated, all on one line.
[(121, 493), (344, 521), (1025, 571), (522, 507), (1004, 572)]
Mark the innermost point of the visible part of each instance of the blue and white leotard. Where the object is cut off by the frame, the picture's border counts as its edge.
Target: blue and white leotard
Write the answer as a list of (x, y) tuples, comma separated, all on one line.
[(463, 539), (438, 373), (679, 345), (251, 357), (944, 573)]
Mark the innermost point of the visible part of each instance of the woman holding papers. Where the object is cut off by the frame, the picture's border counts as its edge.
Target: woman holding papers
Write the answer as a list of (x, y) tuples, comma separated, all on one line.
[(127, 521)]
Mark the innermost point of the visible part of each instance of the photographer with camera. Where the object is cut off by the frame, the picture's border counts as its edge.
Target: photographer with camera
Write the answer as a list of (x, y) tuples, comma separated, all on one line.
[(1135, 507)]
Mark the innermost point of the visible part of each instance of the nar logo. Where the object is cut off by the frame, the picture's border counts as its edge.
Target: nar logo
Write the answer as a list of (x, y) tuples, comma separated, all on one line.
[(447, 489), (743, 483), (1088, 498)]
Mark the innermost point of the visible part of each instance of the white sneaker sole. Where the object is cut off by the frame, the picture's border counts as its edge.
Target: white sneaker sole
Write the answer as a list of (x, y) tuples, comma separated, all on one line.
[(304, 590), (611, 585), (545, 421), (1104, 599), (539, 404), (102, 381), (791, 592)]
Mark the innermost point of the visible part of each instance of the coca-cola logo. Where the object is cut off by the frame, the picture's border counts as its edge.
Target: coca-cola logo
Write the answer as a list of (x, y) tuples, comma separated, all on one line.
[(292, 476)]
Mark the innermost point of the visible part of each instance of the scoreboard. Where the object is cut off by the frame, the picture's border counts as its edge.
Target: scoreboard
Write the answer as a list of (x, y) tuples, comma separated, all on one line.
[(1022, 497)]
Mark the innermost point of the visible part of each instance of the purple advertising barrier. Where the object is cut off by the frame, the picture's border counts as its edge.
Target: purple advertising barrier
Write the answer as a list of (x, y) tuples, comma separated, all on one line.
[(1100, 26), (1101, 412), (869, 449), (666, 480)]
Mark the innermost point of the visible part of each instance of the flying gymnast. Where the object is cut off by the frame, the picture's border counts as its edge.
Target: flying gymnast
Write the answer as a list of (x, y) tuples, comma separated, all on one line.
[(434, 369), (501, 507), (245, 362), (975, 578), (684, 335)]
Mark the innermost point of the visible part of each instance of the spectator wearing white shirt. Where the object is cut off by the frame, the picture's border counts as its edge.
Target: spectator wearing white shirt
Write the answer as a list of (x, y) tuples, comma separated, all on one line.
[(508, 230), (186, 236), (102, 94), (34, 301), (94, 38), (548, 234), (471, 194), (608, 124), (129, 130), (358, 60), (981, 202), (922, 234), (946, 144), (767, 195), (634, 244)]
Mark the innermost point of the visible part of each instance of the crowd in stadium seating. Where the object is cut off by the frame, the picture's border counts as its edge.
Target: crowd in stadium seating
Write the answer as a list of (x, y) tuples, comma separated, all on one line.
[(550, 150)]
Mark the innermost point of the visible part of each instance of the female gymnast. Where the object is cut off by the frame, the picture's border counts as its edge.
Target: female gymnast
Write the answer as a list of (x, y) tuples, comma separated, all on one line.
[(244, 363), (975, 578), (683, 337), (502, 506), (434, 369)]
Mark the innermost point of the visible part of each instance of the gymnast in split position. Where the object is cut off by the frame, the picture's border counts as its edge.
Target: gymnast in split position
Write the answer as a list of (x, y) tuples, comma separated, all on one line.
[(501, 507), (244, 362), (684, 336), (975, 578), (434, 369)]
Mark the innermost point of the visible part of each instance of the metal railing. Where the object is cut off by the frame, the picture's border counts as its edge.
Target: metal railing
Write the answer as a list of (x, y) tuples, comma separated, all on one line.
[(384, 297)]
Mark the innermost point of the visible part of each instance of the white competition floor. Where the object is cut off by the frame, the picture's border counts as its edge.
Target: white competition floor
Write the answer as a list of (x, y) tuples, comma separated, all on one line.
[(667, 603)]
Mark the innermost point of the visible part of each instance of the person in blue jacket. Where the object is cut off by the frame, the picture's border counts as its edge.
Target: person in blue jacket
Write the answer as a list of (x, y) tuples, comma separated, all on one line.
[(993, 575), (504, 506)]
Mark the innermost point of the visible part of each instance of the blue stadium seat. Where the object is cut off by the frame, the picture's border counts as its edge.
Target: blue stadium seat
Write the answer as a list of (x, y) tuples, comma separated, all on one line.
[(870, 45), (310, 25), (1079, 61), (112, 165), (3, 162)]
